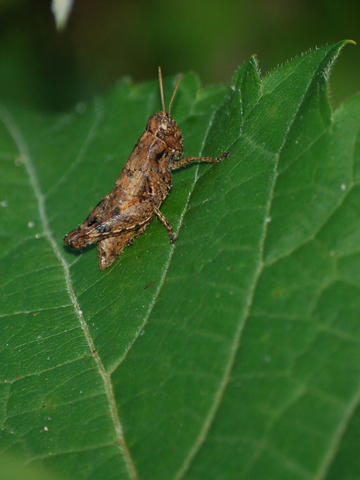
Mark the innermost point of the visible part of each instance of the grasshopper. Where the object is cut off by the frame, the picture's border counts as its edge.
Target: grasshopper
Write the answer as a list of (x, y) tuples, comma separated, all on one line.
[(143, 185)]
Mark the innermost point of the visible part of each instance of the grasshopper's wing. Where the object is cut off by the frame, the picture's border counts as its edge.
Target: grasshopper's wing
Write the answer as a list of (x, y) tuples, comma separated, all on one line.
[(111, 217), (127, 215)]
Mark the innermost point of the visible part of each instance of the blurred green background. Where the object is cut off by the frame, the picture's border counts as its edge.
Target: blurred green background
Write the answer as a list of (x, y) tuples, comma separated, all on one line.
[(106, 39)]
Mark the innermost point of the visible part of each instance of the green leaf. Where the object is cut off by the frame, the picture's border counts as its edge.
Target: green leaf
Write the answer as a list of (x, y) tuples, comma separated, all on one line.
[(10, 469), (234, 353)]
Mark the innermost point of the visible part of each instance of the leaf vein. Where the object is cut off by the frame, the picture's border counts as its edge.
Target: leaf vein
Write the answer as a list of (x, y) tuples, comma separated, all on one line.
[(23, 149)]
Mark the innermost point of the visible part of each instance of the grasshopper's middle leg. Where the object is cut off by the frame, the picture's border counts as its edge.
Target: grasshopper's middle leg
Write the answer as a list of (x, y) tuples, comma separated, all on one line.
[(166, 224)]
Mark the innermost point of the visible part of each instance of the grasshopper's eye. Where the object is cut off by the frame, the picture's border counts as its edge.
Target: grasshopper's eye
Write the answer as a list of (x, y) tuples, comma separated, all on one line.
[(165, 129)]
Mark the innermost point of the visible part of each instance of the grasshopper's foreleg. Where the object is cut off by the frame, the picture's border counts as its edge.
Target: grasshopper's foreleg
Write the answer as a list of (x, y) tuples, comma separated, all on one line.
[(188, 160)]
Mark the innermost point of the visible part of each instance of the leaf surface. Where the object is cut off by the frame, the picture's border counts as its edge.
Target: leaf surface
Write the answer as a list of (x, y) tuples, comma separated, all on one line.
[(233, 353)]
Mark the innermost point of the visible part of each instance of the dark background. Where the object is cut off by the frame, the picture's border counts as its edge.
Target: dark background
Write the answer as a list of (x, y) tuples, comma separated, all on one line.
[(106, 39)]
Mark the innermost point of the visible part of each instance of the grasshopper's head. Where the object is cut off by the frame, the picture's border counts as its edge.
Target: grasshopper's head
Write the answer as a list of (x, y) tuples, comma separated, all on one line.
[(164, 127)]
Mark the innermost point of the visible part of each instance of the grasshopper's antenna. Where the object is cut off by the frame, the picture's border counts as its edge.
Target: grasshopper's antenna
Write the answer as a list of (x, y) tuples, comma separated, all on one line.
[(161, 90), (173, 95)]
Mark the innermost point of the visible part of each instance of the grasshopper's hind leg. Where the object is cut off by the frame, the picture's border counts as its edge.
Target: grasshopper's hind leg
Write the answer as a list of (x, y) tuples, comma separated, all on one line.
[(110, 248)]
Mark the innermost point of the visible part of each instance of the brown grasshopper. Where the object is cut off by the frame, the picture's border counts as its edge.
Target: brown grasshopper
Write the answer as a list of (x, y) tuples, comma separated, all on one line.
[(143, 185)]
